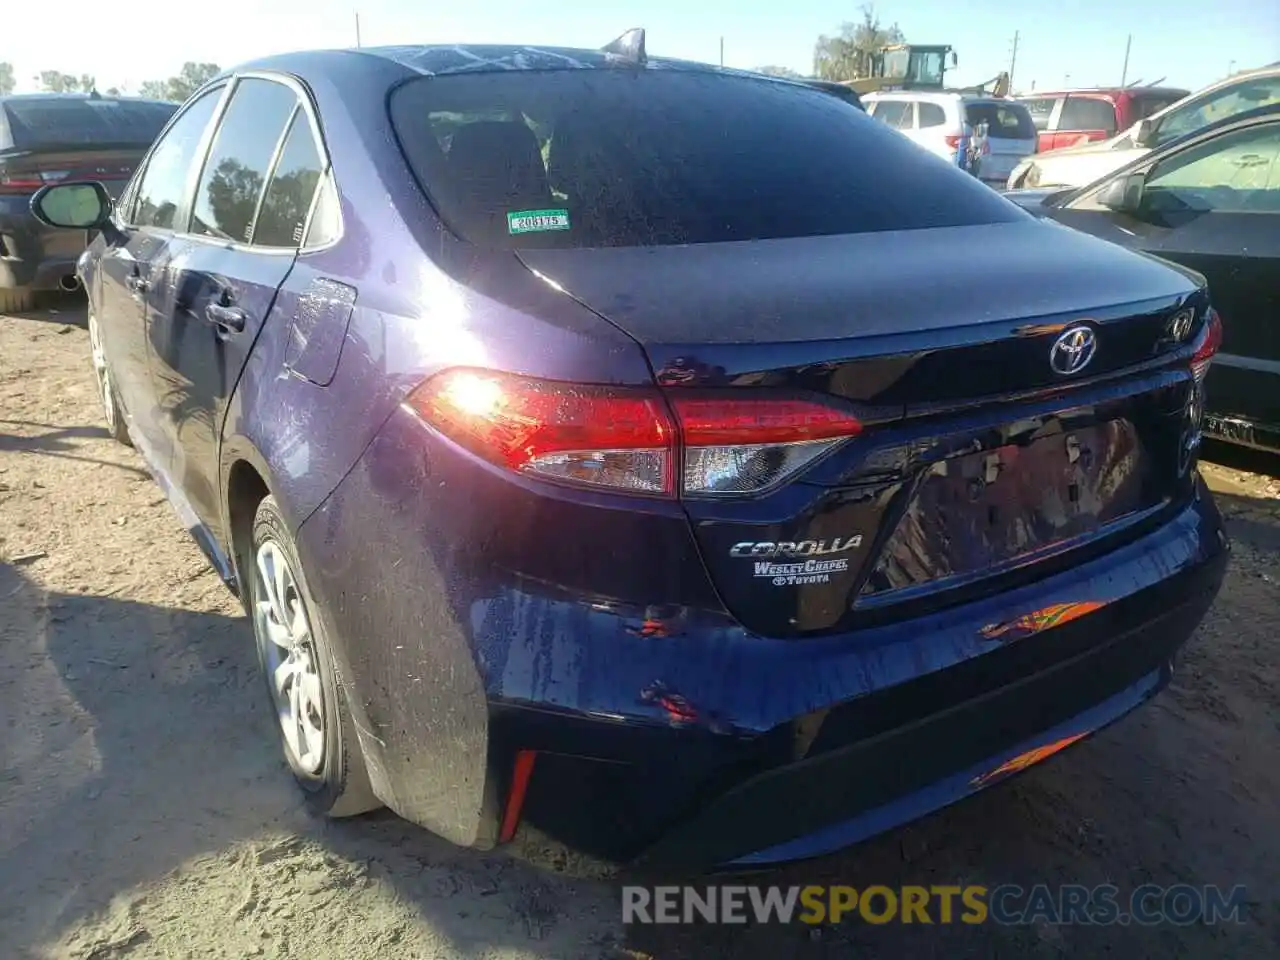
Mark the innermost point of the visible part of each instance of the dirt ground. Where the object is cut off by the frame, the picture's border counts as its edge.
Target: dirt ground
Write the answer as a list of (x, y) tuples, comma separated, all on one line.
[(145, 812)]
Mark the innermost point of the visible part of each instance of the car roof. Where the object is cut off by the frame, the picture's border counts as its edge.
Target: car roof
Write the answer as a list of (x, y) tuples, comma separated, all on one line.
[(433, 60)]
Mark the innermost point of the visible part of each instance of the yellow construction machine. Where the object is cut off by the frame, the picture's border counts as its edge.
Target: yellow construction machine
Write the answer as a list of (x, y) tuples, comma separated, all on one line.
[(918, 66)]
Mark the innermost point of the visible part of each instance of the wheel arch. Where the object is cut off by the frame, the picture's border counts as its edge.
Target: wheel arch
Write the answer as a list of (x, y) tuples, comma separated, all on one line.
[(246, 483)]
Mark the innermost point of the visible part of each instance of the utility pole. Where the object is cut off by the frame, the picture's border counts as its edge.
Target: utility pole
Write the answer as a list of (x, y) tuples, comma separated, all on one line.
[(1124, 71), (357, 28), (722, 51), (1013, 59)]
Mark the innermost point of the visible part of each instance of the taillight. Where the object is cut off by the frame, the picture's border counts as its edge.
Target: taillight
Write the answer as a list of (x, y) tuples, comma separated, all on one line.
[(1208, 344), (590, 436), (625, 439), (953, 141), (20, 182), (736, 446)]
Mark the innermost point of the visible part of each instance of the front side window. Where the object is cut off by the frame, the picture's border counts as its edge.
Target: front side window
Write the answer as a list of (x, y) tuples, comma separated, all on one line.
[(240, 158), (1088, 113), (162, 189), (595, 158), (293, 184), (1235, 173), (1199, 112)]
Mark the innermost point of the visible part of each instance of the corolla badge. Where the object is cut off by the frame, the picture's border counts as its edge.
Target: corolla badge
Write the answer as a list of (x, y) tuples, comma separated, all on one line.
[(762, 549), (1073, 350)]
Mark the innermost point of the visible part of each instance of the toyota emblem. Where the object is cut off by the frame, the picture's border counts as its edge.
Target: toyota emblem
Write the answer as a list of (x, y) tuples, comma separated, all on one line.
[(1073, 350)]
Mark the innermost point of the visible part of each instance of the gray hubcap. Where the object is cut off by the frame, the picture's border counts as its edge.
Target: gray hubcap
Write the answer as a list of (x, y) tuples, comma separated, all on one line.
[(288, 654)]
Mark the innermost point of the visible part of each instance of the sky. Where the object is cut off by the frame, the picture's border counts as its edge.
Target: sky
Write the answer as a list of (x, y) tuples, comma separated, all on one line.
[(1081, 43)]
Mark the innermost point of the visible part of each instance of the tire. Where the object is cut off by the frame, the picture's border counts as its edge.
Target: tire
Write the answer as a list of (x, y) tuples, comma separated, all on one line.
[(17, 300), (313, 721), (113, 417)]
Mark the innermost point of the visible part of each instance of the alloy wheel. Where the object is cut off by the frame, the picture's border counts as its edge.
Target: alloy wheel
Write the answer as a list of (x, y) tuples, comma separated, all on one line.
[(289, 657)]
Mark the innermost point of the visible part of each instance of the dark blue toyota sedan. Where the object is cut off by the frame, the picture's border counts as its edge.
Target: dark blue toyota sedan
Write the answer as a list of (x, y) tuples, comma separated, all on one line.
[(671, 458)]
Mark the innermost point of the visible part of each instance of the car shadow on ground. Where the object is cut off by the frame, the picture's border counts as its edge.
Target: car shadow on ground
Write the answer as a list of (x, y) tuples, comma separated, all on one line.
[(56, 442)]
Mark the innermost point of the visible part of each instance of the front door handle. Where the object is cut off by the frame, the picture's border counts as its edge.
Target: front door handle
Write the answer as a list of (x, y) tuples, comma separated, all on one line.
[(136, 285), (225, 318)]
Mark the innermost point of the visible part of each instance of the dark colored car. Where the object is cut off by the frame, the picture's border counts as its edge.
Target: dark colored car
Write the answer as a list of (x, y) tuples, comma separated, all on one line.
[(47, 138), (669, 457), (839, 90), (1070, 118), (1209, 201)]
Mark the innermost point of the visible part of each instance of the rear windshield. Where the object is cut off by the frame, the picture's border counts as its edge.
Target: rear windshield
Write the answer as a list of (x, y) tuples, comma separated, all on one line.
[(600, 158), (55, 121), (1005, 121)]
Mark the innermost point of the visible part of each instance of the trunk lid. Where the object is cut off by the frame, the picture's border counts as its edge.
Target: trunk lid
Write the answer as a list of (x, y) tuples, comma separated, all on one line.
[(975, 456)]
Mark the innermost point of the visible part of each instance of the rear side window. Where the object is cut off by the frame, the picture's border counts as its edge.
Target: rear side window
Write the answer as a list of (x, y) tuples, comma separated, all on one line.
[(1088, 113), (293, 184), (931, 115), (71, 121), (895, 113), (240, 158), (1005, 121), (1041, 110), (596, 158)]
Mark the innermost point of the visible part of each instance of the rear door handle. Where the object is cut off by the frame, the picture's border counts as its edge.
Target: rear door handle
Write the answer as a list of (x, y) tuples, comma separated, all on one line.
[(225, 318)]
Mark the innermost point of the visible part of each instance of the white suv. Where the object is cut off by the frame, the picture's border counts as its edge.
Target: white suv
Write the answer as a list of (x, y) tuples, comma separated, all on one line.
[(940, 122)]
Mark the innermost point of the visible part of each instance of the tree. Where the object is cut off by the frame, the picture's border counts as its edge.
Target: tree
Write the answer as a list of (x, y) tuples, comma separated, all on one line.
[(190, 78), (7, 83), (847, 56), (778, 72), (55, 81), (88, 84)]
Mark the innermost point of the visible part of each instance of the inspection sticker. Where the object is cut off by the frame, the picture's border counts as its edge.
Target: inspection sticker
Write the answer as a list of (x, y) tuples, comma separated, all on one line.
[(537, 221)]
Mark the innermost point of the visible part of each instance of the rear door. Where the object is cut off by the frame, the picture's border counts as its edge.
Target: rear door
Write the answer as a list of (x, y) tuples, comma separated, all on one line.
[(214, 285), (1083, 119), (147, 220)]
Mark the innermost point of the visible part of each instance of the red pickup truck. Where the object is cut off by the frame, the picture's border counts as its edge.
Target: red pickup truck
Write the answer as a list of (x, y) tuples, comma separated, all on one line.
[(1066, 118)]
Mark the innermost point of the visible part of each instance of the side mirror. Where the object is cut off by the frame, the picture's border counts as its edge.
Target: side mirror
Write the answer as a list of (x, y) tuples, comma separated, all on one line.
[(75, 206), (1123, 194), (1142, 133)]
